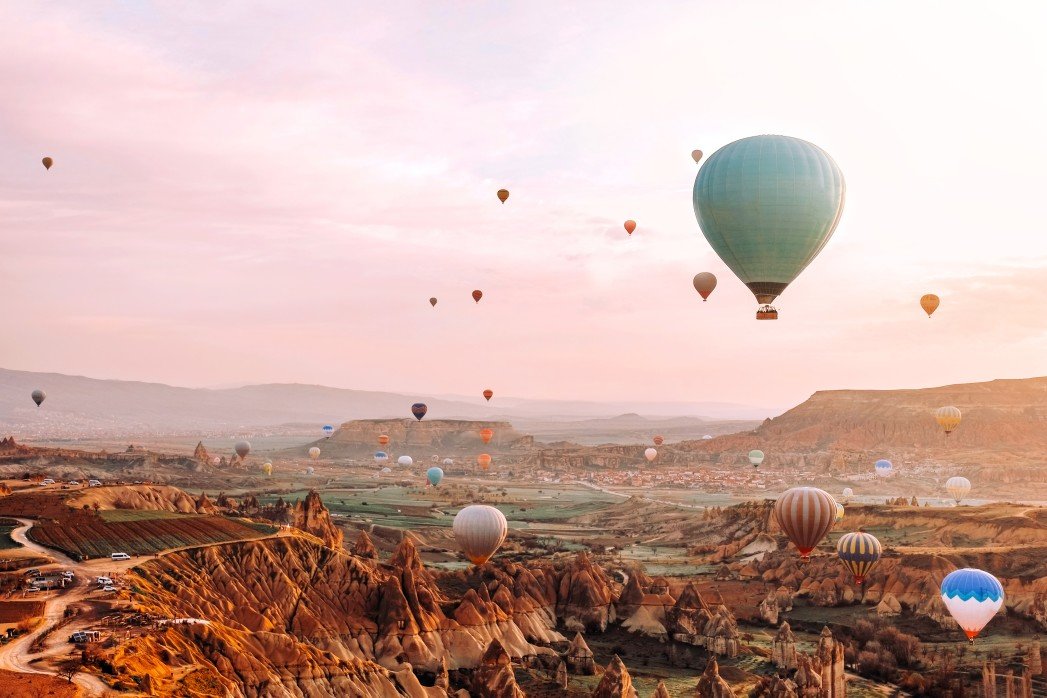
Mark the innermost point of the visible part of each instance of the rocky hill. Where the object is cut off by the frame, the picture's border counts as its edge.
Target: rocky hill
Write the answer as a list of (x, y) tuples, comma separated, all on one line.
[(1004, 421), (361, 435)]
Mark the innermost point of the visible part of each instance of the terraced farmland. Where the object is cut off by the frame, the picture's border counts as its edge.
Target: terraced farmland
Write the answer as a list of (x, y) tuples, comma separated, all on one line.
[(96, 537)]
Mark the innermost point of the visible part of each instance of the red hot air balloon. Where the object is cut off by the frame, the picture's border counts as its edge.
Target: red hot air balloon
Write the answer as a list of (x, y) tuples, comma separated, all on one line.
[(503, 194), (486, 435), (630, 226), (488, 394), (419, 409), (477, 295), (383, 440), (806, 515), (659, 440)]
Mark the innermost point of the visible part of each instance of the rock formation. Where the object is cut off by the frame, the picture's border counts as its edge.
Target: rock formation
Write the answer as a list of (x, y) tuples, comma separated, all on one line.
[(310, 515), (494, 677), (579, 657), (783, 651), (721, 633), (616, 682), (584, 600), (661, 691), (711, 684), (830, 656), (364, 547)]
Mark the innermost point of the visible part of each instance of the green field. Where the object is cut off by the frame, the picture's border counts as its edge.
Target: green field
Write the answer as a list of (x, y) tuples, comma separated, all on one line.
[(115, 515)]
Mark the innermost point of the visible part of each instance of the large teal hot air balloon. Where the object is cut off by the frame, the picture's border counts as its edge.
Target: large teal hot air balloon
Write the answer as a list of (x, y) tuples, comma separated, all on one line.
[(767, 205)]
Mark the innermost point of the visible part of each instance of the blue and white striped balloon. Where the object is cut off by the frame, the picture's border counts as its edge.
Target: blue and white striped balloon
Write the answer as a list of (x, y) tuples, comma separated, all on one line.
[(328, 430), (884, 467), (381, 456), (973, 597)]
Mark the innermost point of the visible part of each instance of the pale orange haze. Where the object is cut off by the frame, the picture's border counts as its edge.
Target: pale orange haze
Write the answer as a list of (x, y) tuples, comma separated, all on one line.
[(249, 192)]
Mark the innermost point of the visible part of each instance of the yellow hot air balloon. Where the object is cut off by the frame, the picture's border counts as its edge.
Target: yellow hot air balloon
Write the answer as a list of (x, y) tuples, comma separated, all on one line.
[(479, 530), (929, 303), (948, 418), (267, 468), (314, 452), (503, 194)]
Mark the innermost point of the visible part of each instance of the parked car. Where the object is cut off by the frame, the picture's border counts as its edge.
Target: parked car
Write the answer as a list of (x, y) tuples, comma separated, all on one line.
[(120, 556), (108, 587), (74, 482), (48, 481), (104, 580), (32, 589), (68, 574), (82, 636), (94, 483)]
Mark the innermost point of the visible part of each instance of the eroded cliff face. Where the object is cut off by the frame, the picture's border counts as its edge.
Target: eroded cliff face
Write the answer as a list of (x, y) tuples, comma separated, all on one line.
[(438, 433), (310, 515)]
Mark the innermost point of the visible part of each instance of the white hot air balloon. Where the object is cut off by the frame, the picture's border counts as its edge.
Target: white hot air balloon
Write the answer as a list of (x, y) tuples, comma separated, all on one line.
[(406, 461), (479, 530), (314, 452), (958, 487), (650, 454), (847, 493), (973, 597)]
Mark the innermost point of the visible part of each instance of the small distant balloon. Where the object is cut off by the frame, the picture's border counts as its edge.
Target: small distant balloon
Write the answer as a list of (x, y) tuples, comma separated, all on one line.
[(704, 283), (930, 303), (484, 460), (486, 435), (380, 456), (314, 452), (267, 468), (697, 155), (503, 194), (488, 394), (328, 429), (383, 440), (884, 467), (406, 461), (650, 454), (448, 461), (432, 301), (39, 396), (958, 488), (242, 448), (659, 440), (47, 163), (216, 461), (948, 418), (477, 295), (434, 475), (630, 226), (419, 409), (756, 457), (859, 551), (310, 470), (848, 492)]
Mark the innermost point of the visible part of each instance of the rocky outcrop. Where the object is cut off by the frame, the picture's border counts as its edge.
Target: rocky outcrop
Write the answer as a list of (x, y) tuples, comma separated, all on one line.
[(200, 453), (830, 656), (721, 633), (204, 505), (446, 434), (579, 657), (768, 610), (783, 649), (711, 684), (364, 547), (585, 596), (310, 515), (661, 691), (616, 682), (494, 677), (888, 606)]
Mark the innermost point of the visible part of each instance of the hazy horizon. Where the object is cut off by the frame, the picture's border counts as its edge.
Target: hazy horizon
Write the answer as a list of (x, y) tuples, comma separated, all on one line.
[(257, 194)]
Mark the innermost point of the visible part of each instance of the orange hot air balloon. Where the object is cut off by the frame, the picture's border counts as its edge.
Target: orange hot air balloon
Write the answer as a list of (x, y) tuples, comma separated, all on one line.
[(659, 440), (630, 226), (503, 194), (488, 394), (477, 295), (484, 460), (486, 435), (704, 283), (47, 163), (929, 303), (697, 155), (383, 440)]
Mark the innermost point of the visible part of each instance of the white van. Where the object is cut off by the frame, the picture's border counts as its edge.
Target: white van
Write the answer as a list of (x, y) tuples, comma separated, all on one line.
[(48, 481), (94, 483), (120, 556)]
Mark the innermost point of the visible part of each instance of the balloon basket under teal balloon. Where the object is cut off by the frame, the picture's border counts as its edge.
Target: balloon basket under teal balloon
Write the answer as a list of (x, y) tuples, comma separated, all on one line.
[(766, 312)]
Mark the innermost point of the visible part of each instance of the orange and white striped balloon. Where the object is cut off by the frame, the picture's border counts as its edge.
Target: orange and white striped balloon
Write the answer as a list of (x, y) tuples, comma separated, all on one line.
[(806, 515), (479, 530)]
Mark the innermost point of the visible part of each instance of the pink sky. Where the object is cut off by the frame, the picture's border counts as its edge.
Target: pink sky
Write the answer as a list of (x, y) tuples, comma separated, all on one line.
[(272, 192)]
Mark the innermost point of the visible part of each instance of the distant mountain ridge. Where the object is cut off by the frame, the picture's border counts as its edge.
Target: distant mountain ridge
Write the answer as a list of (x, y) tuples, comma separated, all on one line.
[(80, 406)]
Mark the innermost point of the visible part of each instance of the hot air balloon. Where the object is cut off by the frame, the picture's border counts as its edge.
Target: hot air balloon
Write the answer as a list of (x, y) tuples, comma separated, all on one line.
[(756, 457), (432, 302), (704, 283), (929, 303), (839, 513), (310, 470), (503, 194), (477, 295), (405, 461), (242, 448), (47, 163), (948, 418), (328, 430), (39, 396), (486, 435), (488, 394), (434, 475), (216, 461), (847, 493), (448, 461), (480, 531), (884, 467), (419, 409), (659, 440), (380, 456), (383, 440), (267, 468), (314, 452), (860, 551), (768, 205), (805, 514), (484, 460), (973, 597), (697, 155), (958, 487), (650, 454), (630, 226)]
